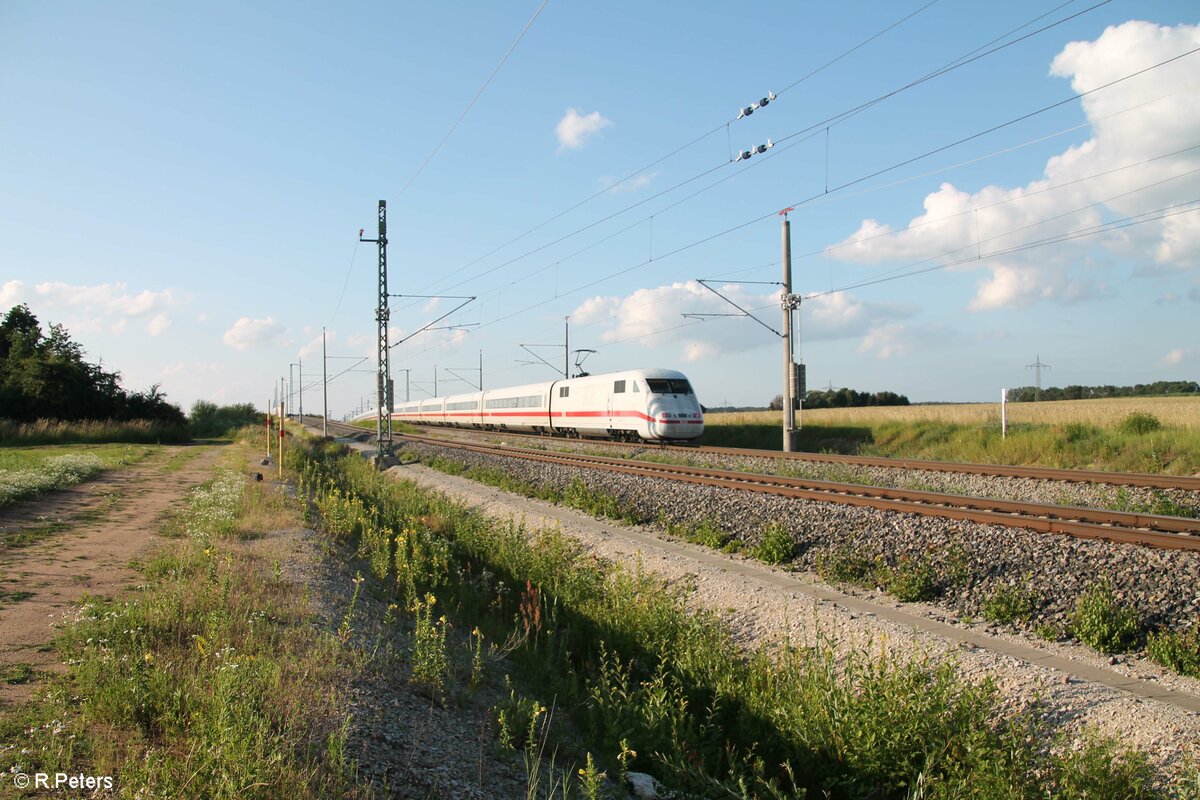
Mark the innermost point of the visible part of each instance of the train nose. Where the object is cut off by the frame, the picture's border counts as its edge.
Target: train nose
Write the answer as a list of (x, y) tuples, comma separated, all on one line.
[(677, 424)]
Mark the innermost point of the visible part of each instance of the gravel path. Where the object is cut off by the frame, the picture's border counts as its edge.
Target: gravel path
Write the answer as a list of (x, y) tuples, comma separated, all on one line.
[(1162, 584)]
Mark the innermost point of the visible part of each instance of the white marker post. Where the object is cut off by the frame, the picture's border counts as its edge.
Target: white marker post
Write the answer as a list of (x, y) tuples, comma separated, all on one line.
[(1004, 413)]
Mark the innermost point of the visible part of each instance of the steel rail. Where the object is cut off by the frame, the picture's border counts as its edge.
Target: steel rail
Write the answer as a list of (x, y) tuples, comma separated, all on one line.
[(1186, 482), (1146, 529)]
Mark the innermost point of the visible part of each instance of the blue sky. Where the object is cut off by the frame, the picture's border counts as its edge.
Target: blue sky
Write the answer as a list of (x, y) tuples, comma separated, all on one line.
[(183, 185)]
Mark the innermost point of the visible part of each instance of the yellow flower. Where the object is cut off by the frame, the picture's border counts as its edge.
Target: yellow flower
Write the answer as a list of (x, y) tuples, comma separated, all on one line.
[(148, 658)]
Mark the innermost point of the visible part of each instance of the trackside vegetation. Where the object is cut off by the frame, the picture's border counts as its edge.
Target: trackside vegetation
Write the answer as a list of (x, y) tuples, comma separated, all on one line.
[(653, 686), (212, 680)]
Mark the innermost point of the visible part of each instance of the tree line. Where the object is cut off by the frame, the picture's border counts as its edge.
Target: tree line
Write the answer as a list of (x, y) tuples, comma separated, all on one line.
[(44, 375), (1028, 394), (843, 398)]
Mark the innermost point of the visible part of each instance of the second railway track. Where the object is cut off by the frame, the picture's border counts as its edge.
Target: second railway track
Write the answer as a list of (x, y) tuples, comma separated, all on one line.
[(1146, 529), (1189, 483)]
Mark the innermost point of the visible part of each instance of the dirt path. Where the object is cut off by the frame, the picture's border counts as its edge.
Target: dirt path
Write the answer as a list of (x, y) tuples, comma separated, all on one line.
[(87, 536)]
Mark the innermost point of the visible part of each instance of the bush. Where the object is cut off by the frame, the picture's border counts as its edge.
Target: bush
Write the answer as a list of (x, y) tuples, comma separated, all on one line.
[(1101, 622), (1179, 651), (208, 419), (843, 565), (705, 533), (1101, 769), (777, 545), (910, 581), (1139, 422), (1009, 604)]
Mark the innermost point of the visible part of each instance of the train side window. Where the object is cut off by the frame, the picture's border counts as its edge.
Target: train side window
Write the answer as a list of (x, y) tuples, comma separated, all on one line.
[(635, 389), (618, 387), (564, 391)]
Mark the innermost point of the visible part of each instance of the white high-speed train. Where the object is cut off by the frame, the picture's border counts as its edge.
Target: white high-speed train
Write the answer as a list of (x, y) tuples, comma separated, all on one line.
[(638, 404)]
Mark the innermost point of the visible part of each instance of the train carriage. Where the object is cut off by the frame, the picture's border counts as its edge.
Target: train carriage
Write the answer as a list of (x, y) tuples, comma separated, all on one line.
[(635, 405), (517, 408)]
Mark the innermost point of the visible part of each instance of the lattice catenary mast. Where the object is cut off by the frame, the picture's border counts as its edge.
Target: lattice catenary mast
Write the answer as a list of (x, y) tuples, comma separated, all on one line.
[(383, 383)]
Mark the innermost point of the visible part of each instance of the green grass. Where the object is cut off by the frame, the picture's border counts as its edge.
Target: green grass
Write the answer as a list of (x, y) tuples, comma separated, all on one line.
[(110, 454), (1136, 442), (640, 673), (212, 681), (17, 673), (26, 472)]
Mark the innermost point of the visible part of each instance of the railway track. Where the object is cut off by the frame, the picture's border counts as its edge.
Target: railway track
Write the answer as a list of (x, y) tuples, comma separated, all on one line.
[(1143, 479), (1145, 529)]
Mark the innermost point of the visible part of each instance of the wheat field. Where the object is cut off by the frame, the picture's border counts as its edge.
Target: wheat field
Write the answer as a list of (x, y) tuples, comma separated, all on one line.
[(1176, 412)]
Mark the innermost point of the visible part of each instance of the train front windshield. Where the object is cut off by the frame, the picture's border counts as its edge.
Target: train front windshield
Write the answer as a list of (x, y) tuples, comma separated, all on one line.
[(668, 386)]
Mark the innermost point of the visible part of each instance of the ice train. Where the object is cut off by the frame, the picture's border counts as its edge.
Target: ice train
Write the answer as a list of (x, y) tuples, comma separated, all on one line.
[(635, 405)]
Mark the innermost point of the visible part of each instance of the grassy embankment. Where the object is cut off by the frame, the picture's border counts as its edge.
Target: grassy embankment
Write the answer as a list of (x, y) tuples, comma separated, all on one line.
[(213, 680), (650, 685), (29, 471), (1135, 434)]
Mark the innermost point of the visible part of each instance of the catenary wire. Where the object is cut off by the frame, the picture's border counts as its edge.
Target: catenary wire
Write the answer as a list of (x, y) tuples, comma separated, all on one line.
[(699, 139), (974, 55), (475, 99)]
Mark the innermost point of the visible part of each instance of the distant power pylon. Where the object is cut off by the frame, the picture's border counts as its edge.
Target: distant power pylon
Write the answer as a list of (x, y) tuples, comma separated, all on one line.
[(1037, 366)]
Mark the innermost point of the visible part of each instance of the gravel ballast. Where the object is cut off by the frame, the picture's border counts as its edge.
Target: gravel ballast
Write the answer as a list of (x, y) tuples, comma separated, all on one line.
[(974, 560), (796, 606)]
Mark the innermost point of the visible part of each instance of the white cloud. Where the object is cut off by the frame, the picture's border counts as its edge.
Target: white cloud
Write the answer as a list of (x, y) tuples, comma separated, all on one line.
[(11, 293), (313, 347), (247, 333), (157, 324), (574, 128), (1165, 114), (654, 317), (105, 306), (897, 339), (1179, 355), (841, 315), (106, 298)]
